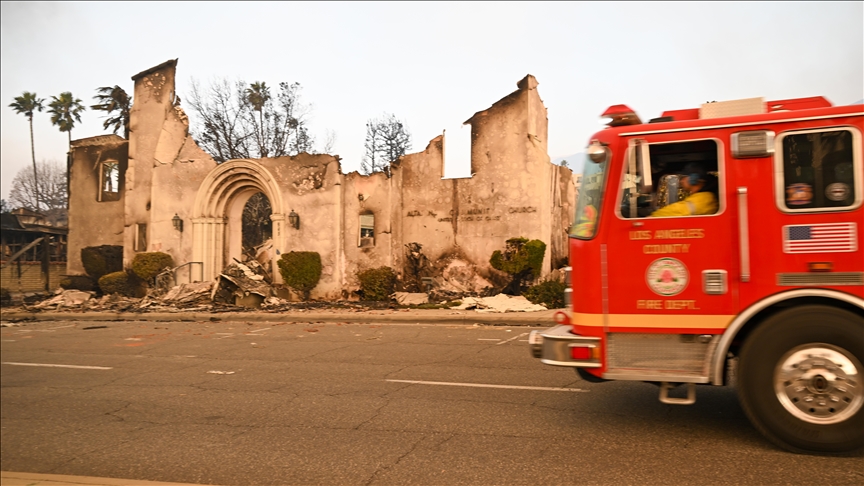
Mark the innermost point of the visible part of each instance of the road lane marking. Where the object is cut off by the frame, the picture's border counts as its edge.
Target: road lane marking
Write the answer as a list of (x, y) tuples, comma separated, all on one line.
[(48, 365), (483, 385), (483, 339), (259, 330), (512, 338)]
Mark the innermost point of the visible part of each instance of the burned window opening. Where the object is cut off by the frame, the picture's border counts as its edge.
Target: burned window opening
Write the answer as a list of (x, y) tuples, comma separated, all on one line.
[(367, 230), (140, 237), (109, 181)]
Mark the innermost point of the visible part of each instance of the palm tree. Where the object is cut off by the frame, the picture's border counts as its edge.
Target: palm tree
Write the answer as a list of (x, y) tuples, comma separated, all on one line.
[(118, 104), (258, 94), (27, 103), (65, 111)]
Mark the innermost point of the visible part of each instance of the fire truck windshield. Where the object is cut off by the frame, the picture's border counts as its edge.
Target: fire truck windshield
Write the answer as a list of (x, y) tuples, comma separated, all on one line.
[(590, 194)]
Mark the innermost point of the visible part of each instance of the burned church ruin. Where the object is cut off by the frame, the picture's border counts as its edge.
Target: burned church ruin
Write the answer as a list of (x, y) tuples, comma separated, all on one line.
[(158, 191)]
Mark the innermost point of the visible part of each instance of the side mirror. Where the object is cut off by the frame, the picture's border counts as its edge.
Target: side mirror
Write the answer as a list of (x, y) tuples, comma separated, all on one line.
[(596, 152)]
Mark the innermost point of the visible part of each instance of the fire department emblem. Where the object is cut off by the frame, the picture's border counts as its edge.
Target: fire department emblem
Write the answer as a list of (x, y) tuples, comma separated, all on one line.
[(667, 277)]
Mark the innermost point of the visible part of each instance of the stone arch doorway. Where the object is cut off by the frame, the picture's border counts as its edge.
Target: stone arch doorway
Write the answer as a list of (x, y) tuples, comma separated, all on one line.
[(217, 235), (257, 227)]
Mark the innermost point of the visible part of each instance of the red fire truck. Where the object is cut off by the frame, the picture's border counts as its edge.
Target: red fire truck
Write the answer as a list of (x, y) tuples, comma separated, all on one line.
[(721, 245)]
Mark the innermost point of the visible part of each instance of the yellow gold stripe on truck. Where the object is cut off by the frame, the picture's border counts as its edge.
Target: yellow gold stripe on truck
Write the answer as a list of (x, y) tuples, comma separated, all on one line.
[(658, 321)]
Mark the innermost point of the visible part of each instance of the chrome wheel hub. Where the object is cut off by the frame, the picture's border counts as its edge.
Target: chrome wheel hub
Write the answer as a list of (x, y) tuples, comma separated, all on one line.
[(819, 383)]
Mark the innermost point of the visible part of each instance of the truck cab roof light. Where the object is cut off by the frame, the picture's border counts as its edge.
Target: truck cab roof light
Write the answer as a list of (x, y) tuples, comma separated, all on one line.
[(619, 116)]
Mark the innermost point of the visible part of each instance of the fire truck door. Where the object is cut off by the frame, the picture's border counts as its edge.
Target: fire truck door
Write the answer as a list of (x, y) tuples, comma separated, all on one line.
[(667, 259)]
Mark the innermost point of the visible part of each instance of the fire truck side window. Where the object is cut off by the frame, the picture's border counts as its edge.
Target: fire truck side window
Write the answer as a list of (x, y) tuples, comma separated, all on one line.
[(819, 170), (670, 163)]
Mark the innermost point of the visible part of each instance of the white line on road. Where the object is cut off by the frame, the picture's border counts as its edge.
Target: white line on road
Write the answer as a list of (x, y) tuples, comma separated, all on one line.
[(514, 337), (483, 339), (259, 330), (483, 385), (59, 366)]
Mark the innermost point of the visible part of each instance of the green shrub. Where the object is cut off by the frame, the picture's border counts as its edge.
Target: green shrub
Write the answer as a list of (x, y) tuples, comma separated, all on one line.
[(78, 282), (300, 270), (522, 259), (549, 293), (101, 260), (519, 256), (118, 283), (148, 265), (377, 284)]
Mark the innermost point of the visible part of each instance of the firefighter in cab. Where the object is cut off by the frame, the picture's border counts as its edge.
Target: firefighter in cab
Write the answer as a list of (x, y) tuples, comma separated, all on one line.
[(701, 186)]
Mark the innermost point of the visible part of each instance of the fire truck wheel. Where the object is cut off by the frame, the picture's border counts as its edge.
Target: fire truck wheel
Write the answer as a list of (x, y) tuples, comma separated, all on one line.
[(801, 379)]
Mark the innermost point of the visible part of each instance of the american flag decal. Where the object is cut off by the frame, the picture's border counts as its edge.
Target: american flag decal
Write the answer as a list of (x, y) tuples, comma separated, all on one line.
[(820, 238)]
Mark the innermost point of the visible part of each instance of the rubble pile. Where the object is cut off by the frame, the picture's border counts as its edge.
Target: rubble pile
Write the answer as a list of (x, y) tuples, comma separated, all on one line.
[(245, 284), (68, 298), (411, 298), (249, 285), (499, 303)]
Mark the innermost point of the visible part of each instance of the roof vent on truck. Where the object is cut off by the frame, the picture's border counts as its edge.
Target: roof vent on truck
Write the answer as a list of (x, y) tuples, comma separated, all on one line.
[(722, 109)]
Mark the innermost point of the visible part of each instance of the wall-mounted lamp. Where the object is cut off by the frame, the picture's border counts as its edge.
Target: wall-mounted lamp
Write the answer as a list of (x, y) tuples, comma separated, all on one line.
[(294, 220), (177, 222)]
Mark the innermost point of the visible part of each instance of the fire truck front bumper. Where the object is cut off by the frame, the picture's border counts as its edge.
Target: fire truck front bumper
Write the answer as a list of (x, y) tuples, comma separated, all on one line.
[(558, 346)]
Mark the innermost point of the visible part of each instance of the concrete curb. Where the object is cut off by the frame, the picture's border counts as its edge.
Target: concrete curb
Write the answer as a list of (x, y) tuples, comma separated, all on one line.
[(31, 479), (405, 316)]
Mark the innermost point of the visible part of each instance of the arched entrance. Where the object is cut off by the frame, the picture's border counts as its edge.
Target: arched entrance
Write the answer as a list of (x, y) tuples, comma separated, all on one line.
[(217, 234)]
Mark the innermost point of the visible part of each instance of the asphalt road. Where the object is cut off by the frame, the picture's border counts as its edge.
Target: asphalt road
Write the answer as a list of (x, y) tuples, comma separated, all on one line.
[(340, 403)]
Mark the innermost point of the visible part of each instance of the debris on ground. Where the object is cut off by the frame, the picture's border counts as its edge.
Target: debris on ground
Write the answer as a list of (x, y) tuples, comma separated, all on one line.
[(195, 293), (66, 298), (245, 284), (411, 298), (499, 303)]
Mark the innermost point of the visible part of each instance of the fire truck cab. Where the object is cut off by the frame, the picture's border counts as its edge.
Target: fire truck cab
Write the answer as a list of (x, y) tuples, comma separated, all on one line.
[(721, 245)]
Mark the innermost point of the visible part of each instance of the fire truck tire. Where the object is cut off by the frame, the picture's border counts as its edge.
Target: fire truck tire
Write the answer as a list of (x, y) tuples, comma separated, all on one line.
[(801, 379)]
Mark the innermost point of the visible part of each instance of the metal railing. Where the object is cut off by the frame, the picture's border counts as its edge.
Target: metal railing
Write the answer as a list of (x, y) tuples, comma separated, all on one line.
[(189, 264)]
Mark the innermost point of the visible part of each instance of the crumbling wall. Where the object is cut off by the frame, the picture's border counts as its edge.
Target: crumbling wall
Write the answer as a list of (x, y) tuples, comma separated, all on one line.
[(364, 196), (425, 209), (510, 193), (153, 101), (514, 191), (563, 207), (179, 168), (311, 187), (93, 222)]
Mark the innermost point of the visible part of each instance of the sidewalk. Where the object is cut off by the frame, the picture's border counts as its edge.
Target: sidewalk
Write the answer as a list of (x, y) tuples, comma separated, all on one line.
[(401, 316), (34, 479)]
